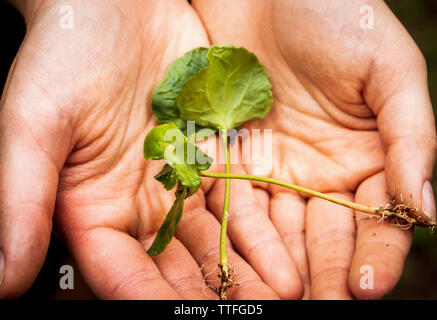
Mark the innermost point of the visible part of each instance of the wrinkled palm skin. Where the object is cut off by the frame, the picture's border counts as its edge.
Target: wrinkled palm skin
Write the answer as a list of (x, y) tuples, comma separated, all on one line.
[(76, 109), (342, 98)]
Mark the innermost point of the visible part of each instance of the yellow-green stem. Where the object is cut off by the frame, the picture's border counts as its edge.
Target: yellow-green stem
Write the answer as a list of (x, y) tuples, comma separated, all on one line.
[(349, 204), (224, 227)]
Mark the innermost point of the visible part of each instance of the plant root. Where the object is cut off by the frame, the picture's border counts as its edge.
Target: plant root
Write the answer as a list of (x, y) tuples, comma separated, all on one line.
[(205, 280), (405, 216), (227, 281)]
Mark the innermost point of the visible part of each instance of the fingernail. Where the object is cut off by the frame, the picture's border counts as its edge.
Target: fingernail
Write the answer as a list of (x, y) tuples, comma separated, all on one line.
[(428, 201), (2, 267)]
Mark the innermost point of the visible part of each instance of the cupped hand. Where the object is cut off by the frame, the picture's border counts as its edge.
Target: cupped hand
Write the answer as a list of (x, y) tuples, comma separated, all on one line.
[(351, 117), (73, 118)]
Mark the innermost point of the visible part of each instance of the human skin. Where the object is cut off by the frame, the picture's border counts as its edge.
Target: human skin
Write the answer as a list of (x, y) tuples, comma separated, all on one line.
[(351, 117), (73, 117)]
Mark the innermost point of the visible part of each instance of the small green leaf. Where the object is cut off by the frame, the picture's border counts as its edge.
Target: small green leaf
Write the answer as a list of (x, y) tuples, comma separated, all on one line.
[(234, 88), (168, 177), (165, 93), (167, 142), (167, 230)]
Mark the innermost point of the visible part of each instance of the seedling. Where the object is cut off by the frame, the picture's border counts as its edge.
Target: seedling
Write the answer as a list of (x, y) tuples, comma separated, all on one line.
[(220, 88)]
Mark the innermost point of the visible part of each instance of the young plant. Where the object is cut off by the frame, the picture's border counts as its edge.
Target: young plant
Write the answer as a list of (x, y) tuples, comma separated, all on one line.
[(221, 88), (167, 142)]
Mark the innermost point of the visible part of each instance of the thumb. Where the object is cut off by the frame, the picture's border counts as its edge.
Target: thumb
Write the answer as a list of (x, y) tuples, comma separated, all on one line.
[(34, 143), (397, 91)]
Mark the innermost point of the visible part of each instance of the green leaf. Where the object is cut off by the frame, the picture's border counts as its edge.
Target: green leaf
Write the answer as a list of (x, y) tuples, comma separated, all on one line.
[(234, 88), (168, 177), (165, 93), (167, 230), (167, 142)]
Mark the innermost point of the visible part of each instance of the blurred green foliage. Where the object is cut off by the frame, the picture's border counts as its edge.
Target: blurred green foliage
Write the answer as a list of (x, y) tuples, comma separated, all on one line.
[(419, 279)]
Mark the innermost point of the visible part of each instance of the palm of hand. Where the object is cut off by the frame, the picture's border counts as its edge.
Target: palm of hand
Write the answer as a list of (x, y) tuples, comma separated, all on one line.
[(108, 205), (117, 73), (101, 75), (107, 196), (325, 136), (84, 140)]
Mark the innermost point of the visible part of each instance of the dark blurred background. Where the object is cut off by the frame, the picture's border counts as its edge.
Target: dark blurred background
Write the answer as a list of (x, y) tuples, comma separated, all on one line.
[(419, 279)]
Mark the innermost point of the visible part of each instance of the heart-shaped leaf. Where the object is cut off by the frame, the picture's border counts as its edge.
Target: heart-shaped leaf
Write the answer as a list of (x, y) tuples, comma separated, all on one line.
[(165, 93), (234, 88)]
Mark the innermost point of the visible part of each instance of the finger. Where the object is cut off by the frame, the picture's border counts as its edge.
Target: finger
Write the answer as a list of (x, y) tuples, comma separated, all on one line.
[(254, 236), (288, 216), (263, 199), (96, 225), (175, 263), (199, 231), (330, 244), (181, 271), (381, 248), (34, 142), (397, 92), (116, 266)]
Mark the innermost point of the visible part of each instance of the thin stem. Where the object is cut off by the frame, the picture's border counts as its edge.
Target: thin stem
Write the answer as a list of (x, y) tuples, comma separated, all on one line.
[(224, 227), (349, 204)]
